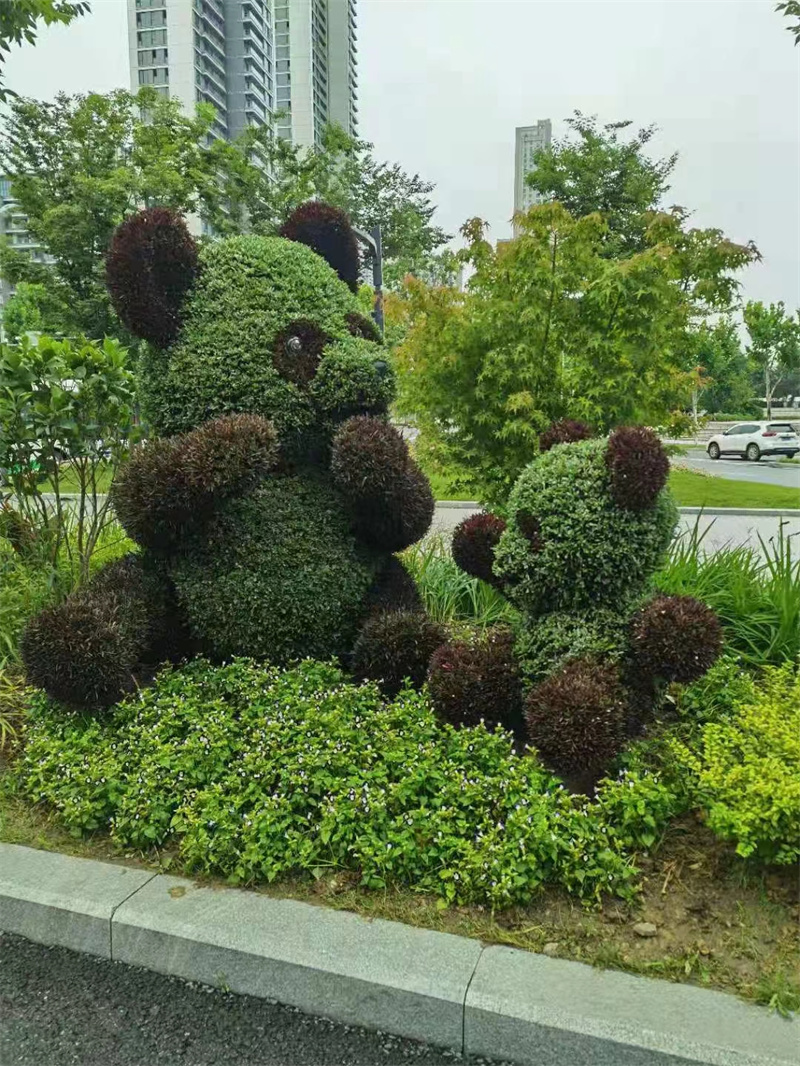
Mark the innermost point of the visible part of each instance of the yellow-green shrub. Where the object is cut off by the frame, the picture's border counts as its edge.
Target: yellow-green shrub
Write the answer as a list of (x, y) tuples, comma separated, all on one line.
[(748, 770)]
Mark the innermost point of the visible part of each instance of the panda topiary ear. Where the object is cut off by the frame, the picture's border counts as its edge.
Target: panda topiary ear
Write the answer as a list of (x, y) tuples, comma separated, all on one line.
[(638, 465), (327, 230), (151, 264)]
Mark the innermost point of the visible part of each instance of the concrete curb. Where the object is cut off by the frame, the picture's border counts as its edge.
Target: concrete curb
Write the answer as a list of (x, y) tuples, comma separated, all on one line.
[(765, 512), (441, 989)]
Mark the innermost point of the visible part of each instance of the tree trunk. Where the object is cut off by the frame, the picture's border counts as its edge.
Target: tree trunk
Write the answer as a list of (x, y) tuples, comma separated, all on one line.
[(767, 393)]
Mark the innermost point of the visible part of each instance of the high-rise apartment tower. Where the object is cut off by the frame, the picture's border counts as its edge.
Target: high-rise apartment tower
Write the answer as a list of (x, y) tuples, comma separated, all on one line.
[(251, 59), (529, 139)]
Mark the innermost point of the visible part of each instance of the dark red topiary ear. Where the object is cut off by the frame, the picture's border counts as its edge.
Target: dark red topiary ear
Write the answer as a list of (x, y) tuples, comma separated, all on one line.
[(638, 465), (150, 266), (327, 230), (565, 431)]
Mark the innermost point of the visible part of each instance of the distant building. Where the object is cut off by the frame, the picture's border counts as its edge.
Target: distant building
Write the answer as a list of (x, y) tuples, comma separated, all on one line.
[(529, 139), (14, 230), (316, 75), (251, 59)]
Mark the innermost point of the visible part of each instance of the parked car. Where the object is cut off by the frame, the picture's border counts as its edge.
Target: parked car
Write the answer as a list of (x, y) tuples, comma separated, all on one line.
[(751, 440)]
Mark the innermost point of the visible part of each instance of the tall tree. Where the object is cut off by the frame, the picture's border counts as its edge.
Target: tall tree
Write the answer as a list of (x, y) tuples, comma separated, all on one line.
[(714, 353), (600, 168), (19, 21), (552, 327), (774, 349), (79, 165)]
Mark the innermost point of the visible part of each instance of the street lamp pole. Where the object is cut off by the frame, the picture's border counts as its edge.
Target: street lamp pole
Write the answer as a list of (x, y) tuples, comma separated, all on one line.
[(374, 246)]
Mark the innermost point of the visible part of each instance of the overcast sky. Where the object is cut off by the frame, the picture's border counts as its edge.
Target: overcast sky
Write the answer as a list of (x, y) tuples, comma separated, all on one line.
[(443, 83)]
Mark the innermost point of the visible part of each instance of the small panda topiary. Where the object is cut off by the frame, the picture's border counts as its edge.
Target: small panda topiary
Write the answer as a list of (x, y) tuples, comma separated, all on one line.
[(270, 503), (588, 523)]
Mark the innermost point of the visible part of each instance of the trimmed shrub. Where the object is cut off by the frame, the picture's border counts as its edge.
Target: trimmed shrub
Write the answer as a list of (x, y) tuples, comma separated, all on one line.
[(576, 717), (327, 230), (368, 457), (254, 774), (395, 646), (352, 380), (402, 517), (151, 264), (478, 681), (170, 485), (83, 652), (87, 651), (277, 574), (545, 644), (748, 771), (565, 431), (249, 289), (638, 466), (675, 638), (474, 541), (361, 326), (297, 350), (394, 590), (591, 553)]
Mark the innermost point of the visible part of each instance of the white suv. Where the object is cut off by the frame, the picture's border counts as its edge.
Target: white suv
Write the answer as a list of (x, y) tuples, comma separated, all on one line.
[(754, 439)]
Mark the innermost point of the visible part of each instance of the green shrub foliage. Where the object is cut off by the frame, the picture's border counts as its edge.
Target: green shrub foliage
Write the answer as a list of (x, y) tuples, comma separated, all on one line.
[(277, 574), (275, 492), (546, 643), (589, 552), (248, 291), (747, 769), (256, 773)]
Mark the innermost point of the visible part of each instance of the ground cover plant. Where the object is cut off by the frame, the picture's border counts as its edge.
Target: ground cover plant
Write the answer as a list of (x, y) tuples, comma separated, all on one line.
[(329, 792), (256, 772)]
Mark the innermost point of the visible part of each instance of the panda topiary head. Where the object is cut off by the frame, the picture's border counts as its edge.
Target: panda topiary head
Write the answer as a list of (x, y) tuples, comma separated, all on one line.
[(588, 523), (262, 325)]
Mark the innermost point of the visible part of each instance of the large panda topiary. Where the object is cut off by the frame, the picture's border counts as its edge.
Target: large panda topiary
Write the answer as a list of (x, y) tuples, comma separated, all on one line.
[(271, 499)]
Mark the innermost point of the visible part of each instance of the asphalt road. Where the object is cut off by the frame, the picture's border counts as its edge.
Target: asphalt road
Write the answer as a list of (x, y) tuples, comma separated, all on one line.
[(765, 471), (58, 1008)]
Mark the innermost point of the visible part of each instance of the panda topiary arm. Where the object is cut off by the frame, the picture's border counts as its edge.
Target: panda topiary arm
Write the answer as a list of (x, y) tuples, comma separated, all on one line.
[(173, 485), (391, 498)]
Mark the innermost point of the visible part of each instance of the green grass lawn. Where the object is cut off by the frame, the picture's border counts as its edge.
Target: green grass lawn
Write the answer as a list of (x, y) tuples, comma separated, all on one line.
[(68, 481), (690, 489), (695, 490)]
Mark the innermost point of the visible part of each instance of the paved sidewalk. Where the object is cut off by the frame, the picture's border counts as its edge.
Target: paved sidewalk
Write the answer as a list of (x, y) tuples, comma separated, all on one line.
[(723, 530)]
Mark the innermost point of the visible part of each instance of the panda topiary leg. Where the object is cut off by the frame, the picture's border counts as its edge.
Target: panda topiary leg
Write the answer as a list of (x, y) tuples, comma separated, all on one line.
[(87, 651)]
